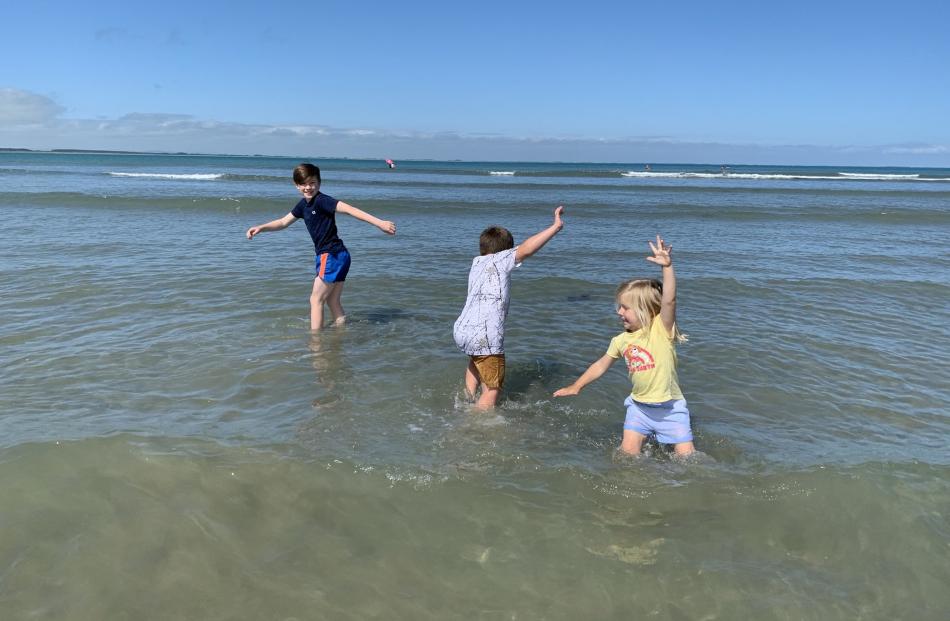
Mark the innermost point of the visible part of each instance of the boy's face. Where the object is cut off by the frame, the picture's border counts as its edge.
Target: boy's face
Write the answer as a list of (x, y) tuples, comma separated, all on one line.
[(309, 188)]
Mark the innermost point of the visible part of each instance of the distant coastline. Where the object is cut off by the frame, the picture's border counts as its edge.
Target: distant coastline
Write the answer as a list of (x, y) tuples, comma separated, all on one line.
[(106, 151), (120, 152), (635, 168)]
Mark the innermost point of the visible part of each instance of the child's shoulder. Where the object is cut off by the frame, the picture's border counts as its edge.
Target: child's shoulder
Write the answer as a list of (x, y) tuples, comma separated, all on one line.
[(495, 257), (637, 336), (500, 253), (622, 336)]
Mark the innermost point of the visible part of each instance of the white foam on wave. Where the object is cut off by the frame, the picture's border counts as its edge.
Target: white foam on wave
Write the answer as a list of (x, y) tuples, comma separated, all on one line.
[(501, 172), (189, 177), (694, 175), (883, 177), (639, 173), (761, 176)]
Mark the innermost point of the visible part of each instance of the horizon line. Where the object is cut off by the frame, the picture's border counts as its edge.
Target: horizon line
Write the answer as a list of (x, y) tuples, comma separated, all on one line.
[(471, 161)]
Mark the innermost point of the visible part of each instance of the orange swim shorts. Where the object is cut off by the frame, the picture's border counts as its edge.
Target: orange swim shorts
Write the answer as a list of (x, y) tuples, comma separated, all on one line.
[(491, 369)]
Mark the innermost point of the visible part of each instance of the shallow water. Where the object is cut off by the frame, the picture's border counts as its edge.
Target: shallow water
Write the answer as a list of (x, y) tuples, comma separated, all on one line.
[(176, 445)]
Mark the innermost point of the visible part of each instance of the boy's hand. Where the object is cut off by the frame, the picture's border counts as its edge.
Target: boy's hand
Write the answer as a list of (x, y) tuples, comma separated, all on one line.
[(567, 391), (254, 230), (557, 217), (661, 253), (387, 227)]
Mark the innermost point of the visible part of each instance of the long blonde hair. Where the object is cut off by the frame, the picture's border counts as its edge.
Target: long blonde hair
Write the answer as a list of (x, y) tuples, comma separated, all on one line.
[(643, 296)]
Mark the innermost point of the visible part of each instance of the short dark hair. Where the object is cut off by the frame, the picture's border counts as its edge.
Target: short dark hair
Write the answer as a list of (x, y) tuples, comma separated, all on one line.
[(306, 171), (495, 239)]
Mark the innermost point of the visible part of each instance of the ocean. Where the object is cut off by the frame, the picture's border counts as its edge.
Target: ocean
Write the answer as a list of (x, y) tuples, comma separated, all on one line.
[(175, 444)]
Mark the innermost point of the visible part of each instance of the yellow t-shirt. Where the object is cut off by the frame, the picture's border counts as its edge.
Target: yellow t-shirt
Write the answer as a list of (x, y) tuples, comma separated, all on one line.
[(651, 362)]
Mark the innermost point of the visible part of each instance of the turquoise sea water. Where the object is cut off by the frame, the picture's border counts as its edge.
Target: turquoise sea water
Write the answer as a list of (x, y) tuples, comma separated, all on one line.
[(174, 444)]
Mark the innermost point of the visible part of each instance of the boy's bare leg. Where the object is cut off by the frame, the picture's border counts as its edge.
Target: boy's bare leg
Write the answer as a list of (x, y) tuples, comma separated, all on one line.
[(632, 442), (318, 296), (471, 380), (336, 306), (488, 398), (683, 449)]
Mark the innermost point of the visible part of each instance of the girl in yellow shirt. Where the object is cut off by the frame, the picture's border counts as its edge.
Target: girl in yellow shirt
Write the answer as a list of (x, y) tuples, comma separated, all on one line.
[(647, 309)]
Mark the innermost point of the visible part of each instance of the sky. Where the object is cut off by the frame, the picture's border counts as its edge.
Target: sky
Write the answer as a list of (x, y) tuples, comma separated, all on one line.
[(833, 83)]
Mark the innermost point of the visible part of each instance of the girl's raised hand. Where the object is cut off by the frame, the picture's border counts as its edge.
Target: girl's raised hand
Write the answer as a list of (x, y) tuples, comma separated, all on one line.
[(661, 253)]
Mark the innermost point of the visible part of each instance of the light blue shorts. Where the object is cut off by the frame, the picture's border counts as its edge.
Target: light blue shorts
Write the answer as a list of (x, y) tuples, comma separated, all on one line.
[(669, 420)]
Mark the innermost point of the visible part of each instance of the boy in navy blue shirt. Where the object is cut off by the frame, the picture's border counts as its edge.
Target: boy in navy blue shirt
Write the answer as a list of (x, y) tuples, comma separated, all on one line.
[(333, 261)]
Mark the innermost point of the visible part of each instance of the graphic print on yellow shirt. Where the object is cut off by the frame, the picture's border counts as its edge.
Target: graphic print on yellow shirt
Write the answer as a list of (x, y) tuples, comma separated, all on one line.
[(651, 362), (638, 359)]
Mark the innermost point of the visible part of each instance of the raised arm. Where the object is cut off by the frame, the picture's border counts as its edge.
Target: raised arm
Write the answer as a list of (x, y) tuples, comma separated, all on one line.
[(663, 256), (273, 225), (534, 243), (383, 225), (593, 372)]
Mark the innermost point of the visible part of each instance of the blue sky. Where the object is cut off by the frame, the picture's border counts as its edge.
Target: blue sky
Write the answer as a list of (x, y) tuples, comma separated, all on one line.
[(862, 83)]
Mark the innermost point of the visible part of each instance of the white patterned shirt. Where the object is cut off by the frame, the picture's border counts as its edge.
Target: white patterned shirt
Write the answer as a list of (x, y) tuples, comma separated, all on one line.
[(480, 329)]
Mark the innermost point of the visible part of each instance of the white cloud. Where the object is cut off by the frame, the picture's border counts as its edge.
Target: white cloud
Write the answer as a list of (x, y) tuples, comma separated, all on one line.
[(33, 121), (918, 149), (25, 108), (153, 117)]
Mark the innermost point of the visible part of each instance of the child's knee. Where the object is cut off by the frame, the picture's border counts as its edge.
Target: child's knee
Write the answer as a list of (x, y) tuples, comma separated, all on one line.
[(684, 448), (631, 447), (632, 442), (489, 397)]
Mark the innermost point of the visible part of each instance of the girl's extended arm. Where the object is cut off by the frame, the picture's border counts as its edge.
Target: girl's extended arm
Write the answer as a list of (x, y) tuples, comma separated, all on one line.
[(534, 243), (383, 225), (662, 256), (273, 225), (593, 372)]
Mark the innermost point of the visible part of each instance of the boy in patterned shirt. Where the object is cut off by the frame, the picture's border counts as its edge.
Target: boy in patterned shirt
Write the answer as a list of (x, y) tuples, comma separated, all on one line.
[(480, 329)]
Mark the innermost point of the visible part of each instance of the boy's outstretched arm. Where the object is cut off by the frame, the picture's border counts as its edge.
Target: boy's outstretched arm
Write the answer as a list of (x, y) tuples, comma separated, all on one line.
[(663, 256), (383, 225), (273, 225), (593, 372), (534, 243)]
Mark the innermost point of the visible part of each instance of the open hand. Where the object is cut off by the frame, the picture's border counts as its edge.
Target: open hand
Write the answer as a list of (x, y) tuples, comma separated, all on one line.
[(661, 253), (557, 217), (567, 391), (387, 227)]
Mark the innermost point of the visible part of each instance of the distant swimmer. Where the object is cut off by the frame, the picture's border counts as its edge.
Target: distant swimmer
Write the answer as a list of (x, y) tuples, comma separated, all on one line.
[(390, 163), (724, 170), (647, 168)]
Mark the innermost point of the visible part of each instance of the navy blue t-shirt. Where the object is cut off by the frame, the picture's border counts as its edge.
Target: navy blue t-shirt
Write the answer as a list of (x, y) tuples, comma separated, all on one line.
[(319, 215)]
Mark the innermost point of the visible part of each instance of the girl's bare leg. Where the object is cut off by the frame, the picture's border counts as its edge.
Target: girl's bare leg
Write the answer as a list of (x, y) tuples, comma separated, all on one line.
[(683, 449), (632, 442)]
